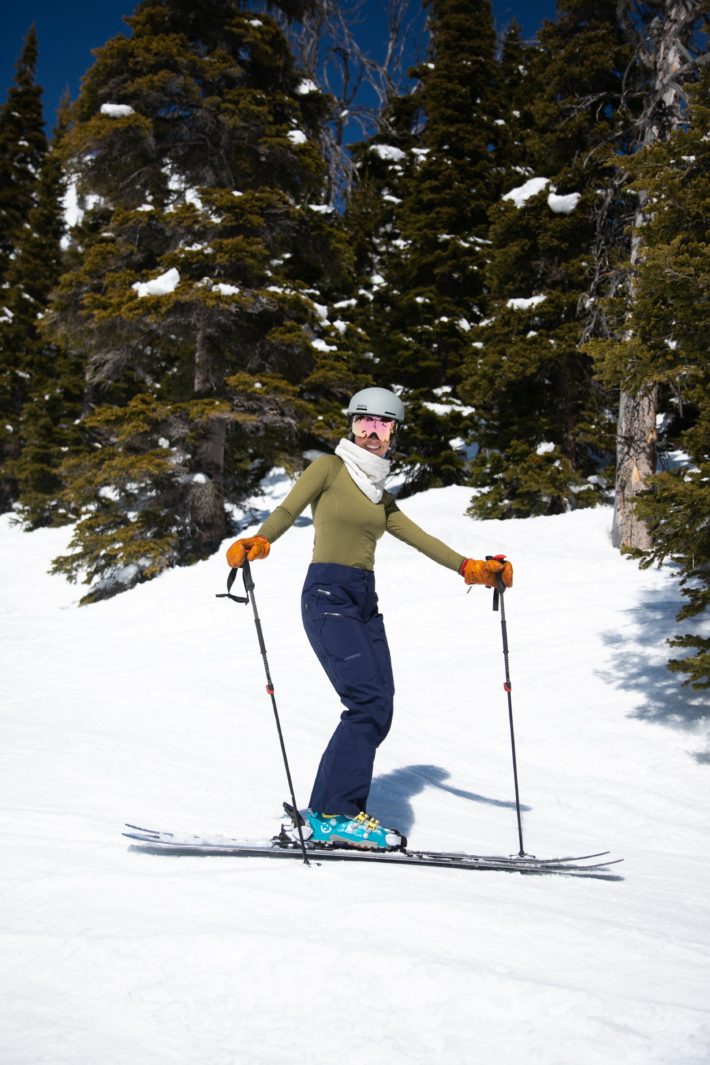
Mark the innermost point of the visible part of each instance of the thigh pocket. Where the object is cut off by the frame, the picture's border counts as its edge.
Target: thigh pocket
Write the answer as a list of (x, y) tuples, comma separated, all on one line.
[(332, 597), (345, 645)]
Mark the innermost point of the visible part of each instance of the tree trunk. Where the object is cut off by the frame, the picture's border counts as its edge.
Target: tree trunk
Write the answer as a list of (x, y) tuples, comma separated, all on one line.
[(206, 492), (662, 50), (636, 462)]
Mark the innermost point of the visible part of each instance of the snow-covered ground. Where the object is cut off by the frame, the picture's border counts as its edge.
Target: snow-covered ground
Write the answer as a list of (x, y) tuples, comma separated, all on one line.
[(151, 708)]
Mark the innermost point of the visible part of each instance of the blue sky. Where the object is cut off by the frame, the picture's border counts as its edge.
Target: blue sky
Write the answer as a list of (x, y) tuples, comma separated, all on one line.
[(69, 31)]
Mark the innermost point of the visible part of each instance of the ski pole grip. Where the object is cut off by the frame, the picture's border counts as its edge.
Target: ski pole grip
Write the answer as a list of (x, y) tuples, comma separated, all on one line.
[(500, 584)]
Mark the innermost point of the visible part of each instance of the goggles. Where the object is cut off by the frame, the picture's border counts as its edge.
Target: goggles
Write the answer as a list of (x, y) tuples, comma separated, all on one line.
[(365, 425)]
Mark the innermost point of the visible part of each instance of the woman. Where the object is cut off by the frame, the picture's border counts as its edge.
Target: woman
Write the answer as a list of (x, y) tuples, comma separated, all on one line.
[(351, 510)]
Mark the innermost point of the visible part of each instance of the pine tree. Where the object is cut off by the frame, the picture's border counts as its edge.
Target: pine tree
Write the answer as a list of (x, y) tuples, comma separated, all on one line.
[(199, 295), (541, 421), (668, 39), (515, 102), (41, 385), (670, 327), (23, 144), (432, 166)]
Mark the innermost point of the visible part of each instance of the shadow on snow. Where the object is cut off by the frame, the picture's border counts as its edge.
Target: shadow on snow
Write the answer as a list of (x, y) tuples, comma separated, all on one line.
[(633, 665), (391, 794)]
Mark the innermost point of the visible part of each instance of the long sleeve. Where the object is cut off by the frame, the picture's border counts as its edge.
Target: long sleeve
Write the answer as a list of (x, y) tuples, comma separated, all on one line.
[(307, 488), (410, 533)]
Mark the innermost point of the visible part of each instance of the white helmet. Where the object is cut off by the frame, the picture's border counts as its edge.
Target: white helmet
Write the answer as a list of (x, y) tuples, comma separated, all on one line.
[(379, 402)]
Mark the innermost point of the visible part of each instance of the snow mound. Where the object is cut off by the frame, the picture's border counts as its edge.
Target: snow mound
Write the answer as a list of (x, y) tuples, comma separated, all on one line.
[(524, 304), (117, 110), (388, 151), (563, 204), (158, 286), (523, 193)]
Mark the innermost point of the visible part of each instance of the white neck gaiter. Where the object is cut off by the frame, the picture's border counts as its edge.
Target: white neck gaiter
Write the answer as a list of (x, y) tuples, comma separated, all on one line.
[(368, 471)]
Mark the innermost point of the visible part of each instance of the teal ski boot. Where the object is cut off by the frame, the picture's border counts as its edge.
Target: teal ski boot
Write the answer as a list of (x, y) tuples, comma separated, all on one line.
[(362, 832)]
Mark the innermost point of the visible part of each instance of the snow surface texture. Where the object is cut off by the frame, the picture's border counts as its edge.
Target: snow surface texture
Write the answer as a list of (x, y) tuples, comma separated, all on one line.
[(151, 708)]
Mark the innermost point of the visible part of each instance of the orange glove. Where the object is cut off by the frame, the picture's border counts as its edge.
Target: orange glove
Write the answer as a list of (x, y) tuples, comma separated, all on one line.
[(475, 571), (251, 547)]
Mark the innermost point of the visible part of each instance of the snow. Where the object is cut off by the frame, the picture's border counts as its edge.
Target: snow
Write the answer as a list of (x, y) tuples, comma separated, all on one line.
[(524, 304), (323, 345), (151, 708), (559, 204), (73, 210), (563, 204), (73, 213), (297, 136), (225, 289), (305, 87), (158, 286), (523, 193), (442, 409), (388, 151), (192, 196), (117, 110)]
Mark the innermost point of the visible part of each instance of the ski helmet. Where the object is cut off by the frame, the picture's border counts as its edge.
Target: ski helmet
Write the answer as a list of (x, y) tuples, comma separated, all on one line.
[(379, 402)]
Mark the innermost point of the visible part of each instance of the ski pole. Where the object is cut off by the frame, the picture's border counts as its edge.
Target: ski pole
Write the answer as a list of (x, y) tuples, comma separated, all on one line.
[(499, 598), (249, 589)]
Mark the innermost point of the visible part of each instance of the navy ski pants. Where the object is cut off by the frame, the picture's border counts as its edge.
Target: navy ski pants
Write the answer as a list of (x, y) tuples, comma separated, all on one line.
[(342, 622)]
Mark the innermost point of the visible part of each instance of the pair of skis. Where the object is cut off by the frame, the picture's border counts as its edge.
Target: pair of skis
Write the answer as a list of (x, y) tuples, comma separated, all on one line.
[(285, 846)]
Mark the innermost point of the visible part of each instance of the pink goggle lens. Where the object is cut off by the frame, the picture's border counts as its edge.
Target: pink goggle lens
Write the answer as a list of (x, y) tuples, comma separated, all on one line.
[(365, 425)]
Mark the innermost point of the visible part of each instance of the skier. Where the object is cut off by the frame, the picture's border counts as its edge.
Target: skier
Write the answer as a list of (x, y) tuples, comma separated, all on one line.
[(351, 510)]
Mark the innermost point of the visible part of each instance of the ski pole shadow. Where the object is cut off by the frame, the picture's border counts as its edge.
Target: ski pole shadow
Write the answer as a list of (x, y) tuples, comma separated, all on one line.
[(391, 794)]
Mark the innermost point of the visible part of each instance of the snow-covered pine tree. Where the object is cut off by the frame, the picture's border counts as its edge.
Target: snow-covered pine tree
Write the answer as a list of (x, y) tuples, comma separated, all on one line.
[(199, 294), (42, 384), (670, 325), (371, 221), (424, 282), (23, 144), (514, 102), (541, 421)]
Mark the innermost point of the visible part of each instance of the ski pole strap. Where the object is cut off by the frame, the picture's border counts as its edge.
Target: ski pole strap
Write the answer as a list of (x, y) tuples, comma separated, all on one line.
[(248, 579), (500, 586), (230, 581)]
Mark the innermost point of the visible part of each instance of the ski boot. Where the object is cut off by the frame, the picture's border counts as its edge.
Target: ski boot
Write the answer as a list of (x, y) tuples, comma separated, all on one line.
[(362, 832)]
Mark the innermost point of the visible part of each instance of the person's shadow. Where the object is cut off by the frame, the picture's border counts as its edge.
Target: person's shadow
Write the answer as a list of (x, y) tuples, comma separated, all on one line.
[(391, 794)]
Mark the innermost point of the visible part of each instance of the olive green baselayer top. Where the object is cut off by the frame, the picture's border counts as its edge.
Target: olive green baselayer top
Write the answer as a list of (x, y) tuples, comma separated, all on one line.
[(348, 524)]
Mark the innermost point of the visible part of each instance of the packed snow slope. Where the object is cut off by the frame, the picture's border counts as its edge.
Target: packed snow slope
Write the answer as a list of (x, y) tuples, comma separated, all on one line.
[(151, 708)]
